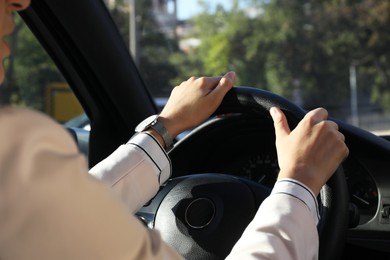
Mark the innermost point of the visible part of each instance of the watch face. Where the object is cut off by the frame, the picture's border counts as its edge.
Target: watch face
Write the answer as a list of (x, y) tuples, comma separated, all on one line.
[(146, 123)]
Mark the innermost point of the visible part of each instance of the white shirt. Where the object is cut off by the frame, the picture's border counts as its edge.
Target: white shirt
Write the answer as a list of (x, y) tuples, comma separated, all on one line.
[(283, 228)]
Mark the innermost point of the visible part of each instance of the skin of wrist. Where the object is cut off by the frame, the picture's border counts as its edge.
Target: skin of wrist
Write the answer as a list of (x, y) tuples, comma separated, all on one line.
[(170, 126), (301, 177)]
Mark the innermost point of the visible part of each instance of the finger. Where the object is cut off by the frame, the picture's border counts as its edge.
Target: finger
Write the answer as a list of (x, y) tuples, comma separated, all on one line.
[(342, 149), (280, 122), (345, 151), (335, 128), (225, 83), (317, 115), (231, 75), (206, 84), (333, 124), (341, 136), (328, 123), (215, 78)]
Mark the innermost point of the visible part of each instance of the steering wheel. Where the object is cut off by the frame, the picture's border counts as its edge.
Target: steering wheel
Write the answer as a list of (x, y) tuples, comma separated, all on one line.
[(203, 215)]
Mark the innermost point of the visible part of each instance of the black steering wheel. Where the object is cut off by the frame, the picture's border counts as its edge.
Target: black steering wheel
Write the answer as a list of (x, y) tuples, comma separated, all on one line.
[(203, 215)]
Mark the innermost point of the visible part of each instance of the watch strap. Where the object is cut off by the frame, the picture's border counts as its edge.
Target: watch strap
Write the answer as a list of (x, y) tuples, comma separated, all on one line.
[(159, 127)]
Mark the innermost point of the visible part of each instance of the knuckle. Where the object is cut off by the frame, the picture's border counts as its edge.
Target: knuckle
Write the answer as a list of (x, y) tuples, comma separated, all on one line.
[(345, 151), (342, 148), (328, 126), (193, 78), (324, 111), (310, 119), (202, 80), (323, 126)]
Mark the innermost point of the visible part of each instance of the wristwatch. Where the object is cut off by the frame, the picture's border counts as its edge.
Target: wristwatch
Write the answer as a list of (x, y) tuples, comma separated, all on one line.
[(154, 123)]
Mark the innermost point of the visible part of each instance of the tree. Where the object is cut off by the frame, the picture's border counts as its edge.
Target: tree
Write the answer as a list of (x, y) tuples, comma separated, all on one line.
[(155, 46), (29, 70), (224, 35), (302, 49)]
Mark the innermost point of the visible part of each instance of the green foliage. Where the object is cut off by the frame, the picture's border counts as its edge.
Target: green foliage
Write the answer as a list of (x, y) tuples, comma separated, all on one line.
[(28, 70), (186, 66), (155, 48), (302, 49)]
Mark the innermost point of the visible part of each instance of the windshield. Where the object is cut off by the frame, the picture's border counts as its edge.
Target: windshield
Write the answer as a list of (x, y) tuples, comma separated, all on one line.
[(333, 54)]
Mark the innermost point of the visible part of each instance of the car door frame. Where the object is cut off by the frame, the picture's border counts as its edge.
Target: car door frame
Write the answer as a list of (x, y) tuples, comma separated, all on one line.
[(84, 42)]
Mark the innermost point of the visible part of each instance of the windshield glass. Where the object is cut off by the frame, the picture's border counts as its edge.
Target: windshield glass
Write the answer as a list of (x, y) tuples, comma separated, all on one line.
[(327, 53)]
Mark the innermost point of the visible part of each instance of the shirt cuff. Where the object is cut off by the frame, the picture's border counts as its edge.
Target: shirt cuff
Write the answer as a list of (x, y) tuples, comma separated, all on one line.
[(300, 191), (153, 149)]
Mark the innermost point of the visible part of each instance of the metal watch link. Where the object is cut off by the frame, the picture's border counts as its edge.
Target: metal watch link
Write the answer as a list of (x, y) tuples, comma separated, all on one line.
[(154, 123)]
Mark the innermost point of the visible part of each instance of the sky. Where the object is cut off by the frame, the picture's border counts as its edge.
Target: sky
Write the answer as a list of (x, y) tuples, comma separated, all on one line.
[(187, 8)]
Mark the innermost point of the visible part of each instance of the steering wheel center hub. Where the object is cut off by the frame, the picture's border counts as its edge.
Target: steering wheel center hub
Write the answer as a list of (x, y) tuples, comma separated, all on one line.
[(201, 216), (199, 213)]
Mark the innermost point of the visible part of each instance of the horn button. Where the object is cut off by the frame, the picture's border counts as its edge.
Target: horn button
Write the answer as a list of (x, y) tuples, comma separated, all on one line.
[(206, 213), (199, 213)]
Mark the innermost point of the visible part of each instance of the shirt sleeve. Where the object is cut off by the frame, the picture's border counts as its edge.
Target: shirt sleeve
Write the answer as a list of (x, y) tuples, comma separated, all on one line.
[(300, 191), (51, 208), (284, 226), (135, 170)]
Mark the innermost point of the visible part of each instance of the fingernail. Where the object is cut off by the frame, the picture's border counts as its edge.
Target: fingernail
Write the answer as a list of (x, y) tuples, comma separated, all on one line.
[(272, 111), (231, 75)]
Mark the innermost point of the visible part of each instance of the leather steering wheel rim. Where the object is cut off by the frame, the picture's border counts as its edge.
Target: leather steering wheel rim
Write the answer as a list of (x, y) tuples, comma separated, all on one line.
[(334, 196), (169, 210)]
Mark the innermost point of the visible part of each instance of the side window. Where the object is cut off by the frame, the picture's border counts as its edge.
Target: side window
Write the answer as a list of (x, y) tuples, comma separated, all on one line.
[(149, 30), (333, 54), (32, 79)]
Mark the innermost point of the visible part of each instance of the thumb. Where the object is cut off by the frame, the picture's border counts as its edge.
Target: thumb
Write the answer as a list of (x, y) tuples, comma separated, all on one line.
[(225, 83), (280, 122)]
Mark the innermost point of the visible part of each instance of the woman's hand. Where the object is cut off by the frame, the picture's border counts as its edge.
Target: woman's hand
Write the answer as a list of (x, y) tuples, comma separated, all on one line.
[(311, 152), (193, 101)]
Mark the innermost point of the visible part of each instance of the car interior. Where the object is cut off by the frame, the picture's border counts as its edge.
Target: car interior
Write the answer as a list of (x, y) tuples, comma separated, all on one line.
[(230, 159)]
